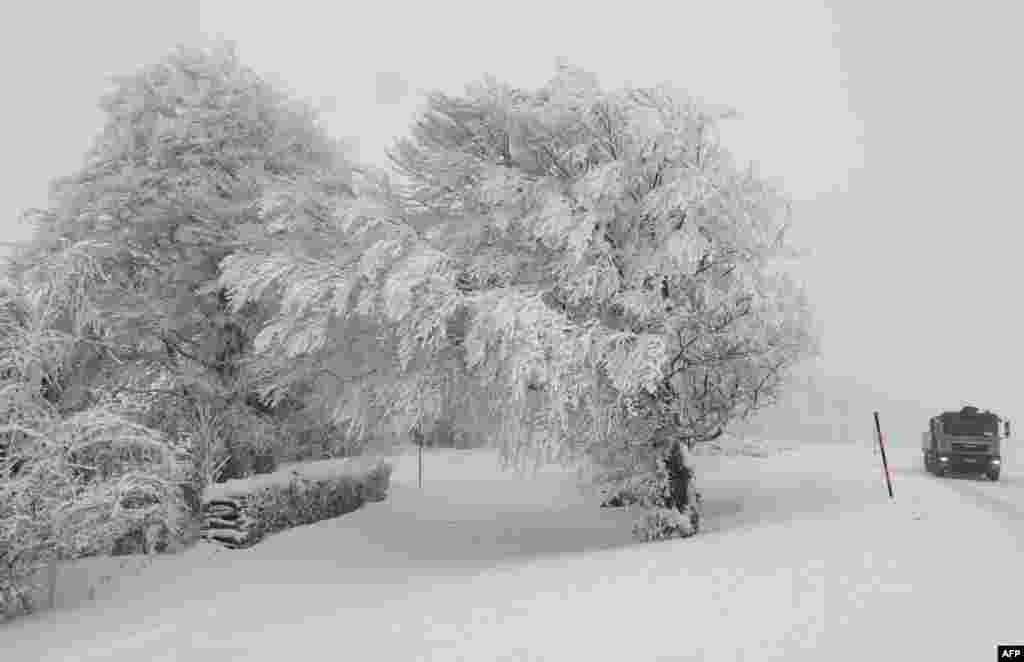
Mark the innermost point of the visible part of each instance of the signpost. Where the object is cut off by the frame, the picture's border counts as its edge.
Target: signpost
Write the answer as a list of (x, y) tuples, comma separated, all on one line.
[(417, 435), (885, 463)]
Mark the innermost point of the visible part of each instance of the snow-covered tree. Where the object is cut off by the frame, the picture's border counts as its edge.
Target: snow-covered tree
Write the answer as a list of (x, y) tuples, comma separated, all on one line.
[(72, 483), (572, 272), (191, 146)]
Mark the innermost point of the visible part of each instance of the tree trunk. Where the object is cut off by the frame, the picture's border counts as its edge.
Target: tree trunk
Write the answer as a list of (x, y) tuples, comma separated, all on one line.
[(679, 476), (681, 494)]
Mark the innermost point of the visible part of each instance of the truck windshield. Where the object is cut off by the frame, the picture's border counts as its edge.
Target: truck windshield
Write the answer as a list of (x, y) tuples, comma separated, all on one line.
[(970, 427)]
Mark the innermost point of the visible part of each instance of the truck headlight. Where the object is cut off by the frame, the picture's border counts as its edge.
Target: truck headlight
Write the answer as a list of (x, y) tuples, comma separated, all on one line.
[(943, 459), (996, 460)]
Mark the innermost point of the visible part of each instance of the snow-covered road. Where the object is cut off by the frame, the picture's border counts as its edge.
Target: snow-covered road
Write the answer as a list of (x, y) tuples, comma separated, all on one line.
[(805, 558), (1004, 498)]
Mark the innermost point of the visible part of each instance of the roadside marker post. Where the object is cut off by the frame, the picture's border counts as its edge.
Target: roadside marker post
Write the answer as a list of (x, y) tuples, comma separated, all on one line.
[(885, 462)]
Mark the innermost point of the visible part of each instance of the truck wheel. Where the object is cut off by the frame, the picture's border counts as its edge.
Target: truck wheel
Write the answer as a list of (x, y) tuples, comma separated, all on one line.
[(993, 475)]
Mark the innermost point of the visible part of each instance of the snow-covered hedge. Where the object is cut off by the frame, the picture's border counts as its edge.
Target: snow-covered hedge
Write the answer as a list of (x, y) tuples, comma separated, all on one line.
[(294, 496)]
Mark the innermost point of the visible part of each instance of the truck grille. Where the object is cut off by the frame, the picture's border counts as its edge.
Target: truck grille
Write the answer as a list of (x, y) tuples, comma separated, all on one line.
[(970, 448)]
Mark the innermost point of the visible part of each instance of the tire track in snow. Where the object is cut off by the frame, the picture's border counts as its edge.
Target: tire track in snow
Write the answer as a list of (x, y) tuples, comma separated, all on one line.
[(1011, 511), (988, 496)]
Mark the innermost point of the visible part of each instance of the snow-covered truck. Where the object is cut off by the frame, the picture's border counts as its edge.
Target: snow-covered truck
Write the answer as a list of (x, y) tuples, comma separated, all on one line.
[(965, 441)]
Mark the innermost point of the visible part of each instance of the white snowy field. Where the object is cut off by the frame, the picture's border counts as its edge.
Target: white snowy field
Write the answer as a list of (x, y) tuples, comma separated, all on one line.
[(804, 558)]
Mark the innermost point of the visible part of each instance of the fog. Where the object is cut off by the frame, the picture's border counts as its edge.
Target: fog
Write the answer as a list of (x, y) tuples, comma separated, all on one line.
[(894, 127)]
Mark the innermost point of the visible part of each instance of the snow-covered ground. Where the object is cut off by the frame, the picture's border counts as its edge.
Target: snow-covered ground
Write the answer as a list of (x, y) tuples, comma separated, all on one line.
[(804, 558)]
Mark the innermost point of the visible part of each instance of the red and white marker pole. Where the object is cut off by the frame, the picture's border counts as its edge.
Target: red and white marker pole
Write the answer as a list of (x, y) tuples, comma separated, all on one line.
[(885, 463)]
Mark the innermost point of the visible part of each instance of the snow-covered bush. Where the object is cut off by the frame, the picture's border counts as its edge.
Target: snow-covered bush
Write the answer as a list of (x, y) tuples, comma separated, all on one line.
[(84, 483), (665, 523), (78, 472), (655, 491)]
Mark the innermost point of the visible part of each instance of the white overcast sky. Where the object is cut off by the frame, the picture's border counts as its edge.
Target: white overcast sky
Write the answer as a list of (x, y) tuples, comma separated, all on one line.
[(895, 127)]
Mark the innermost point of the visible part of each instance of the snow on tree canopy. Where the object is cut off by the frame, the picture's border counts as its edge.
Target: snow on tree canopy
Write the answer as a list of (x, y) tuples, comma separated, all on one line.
[(563, 272)]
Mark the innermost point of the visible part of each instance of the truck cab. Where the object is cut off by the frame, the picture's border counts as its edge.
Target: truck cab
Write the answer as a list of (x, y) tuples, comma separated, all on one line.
[(965, 441)]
